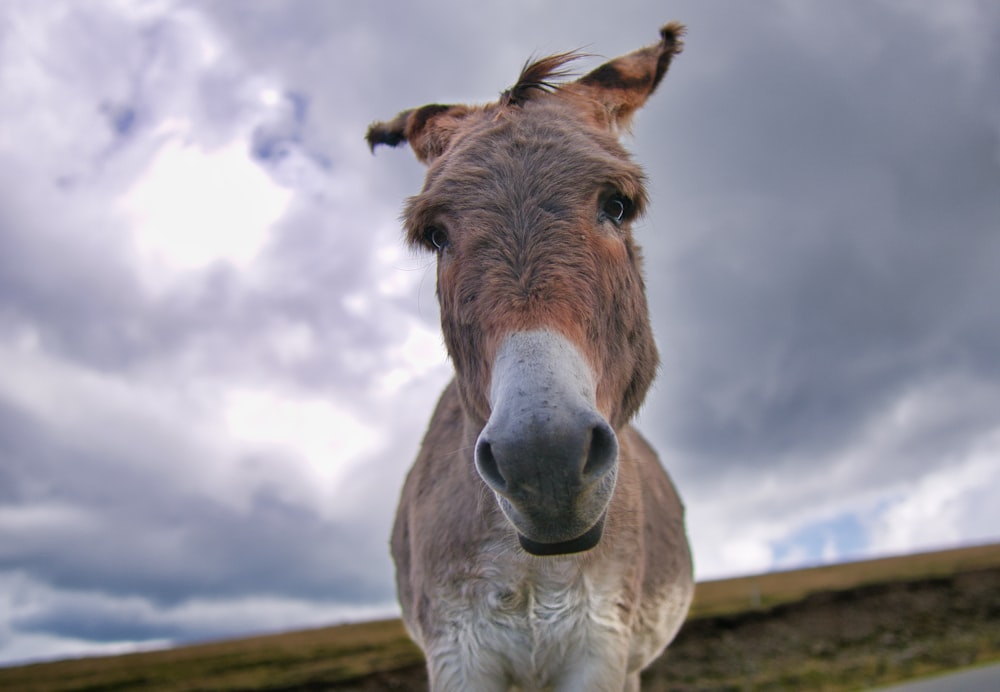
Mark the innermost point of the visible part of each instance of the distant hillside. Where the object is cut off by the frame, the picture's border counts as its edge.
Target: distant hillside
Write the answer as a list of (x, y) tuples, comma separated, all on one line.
[(840, 627)]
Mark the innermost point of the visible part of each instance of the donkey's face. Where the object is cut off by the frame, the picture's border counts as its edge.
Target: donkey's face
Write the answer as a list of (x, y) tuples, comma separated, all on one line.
[(528, 204), (530, 216)]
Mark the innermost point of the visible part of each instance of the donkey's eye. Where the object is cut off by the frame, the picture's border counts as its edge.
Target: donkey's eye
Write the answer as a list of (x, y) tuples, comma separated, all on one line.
[(436, 237), (617, 208)]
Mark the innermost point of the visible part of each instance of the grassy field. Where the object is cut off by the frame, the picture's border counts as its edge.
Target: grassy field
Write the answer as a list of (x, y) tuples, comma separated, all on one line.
[(855, 638), (297, 660), (823, 628), (726, 596)]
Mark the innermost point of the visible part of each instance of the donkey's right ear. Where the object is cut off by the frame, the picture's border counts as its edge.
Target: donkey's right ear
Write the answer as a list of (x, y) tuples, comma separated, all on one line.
[(621, 87), (429, 130)]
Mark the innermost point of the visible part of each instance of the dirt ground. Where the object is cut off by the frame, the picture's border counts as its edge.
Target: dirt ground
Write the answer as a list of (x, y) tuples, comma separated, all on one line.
[(844, 640)]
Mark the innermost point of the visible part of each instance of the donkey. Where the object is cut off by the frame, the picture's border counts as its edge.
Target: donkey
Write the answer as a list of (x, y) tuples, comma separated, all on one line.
[(539, 544)]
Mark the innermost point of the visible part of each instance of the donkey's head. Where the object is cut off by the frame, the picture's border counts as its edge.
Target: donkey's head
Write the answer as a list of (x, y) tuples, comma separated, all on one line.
[(528, 204)]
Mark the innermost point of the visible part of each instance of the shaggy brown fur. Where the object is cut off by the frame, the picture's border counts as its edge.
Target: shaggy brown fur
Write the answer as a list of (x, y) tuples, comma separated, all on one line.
[(528, 203)]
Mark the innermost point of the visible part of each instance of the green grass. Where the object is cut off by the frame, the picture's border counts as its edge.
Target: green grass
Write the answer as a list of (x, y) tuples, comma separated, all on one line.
[(330, 657)]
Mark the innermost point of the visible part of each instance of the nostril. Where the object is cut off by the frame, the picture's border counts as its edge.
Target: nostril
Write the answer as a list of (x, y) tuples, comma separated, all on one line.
[(602, 452), (487, 466)]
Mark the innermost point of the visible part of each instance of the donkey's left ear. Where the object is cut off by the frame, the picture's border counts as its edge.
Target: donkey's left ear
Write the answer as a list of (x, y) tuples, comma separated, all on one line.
[(623, 85), (429, 130)]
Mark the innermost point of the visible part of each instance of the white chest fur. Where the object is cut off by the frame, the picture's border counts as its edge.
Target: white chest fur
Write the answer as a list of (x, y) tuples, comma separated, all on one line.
[(532, 623)]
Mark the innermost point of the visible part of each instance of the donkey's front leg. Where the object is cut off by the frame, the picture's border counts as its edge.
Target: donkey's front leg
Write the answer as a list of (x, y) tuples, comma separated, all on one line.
[(599, 672), (450, 670)]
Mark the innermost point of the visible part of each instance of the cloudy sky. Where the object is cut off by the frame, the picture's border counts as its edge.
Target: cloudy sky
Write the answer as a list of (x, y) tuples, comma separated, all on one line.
[(217, 359)]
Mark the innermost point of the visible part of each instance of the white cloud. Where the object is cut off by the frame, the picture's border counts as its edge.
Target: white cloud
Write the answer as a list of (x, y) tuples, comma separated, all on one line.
[(28, 647), (294, 342), (43, 518), (954, 504), (421, 352), (271, 385), (116, 414), (111, 617), (326, 439), (727, 551), (193, 207), (890, 491)]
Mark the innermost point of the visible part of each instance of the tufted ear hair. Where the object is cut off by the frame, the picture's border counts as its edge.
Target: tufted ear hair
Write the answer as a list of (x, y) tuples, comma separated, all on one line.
[(614, 91), (428, 130), (620, 87)]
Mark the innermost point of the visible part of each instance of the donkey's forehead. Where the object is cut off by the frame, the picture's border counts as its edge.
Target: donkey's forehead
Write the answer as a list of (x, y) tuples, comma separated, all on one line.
[(538, 142)]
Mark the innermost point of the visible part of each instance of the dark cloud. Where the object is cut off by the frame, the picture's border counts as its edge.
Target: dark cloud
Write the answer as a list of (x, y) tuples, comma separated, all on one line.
[(821, 256), (109, 529), (85, 624), (836, 239)]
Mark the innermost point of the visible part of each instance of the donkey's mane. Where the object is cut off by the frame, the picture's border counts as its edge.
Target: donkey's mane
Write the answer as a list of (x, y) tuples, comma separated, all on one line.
[(542, 75)]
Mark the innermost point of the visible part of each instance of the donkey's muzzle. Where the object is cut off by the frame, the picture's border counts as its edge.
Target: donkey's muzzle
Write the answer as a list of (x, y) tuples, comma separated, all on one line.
[(547, 453)]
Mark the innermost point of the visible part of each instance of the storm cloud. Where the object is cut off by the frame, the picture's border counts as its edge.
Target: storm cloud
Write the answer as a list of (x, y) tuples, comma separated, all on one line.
[(217, 358)]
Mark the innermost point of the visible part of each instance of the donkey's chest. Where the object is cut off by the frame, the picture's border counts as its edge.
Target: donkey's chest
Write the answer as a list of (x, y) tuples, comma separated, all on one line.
[(535, 625), (552, 610)]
